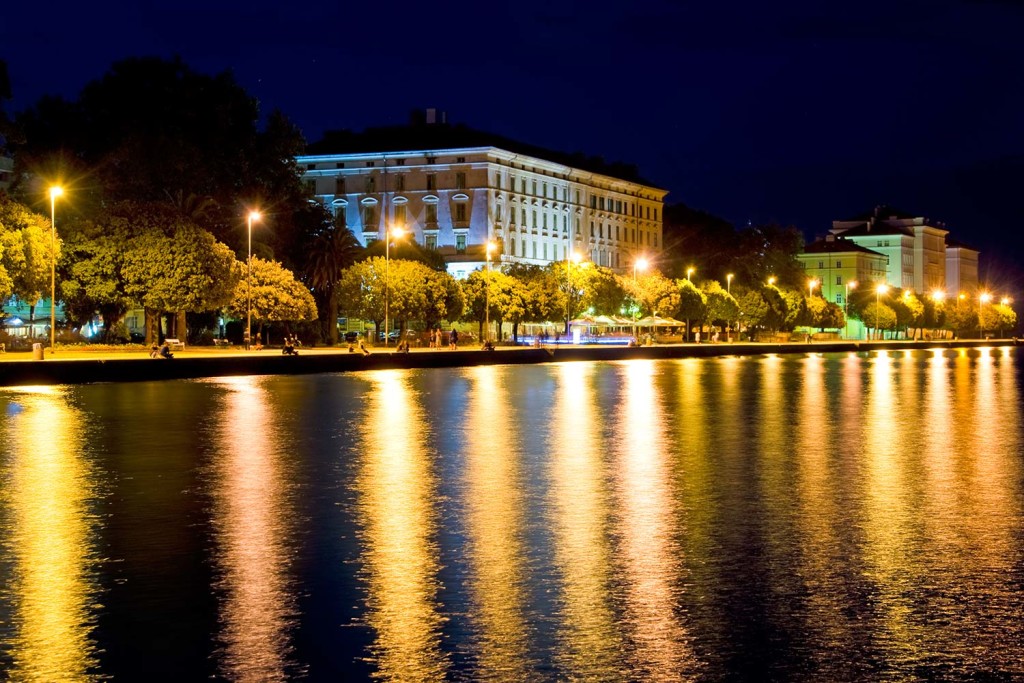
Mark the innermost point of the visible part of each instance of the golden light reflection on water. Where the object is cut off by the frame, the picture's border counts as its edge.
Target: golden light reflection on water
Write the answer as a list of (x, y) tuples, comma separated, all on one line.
[(47, 529), (495, 522), (650, 556), (254, 525), (588, 635), (397, 494)]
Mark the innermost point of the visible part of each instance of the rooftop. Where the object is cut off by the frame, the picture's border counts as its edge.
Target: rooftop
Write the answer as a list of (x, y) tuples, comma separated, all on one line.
[(834, 245)]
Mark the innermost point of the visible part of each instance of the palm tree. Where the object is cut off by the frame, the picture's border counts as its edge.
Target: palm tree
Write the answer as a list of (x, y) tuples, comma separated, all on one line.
[(330, 251)]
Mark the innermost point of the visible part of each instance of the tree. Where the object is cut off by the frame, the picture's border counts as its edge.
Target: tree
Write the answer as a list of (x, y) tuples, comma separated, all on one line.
[(753, 309), (770, 251), (722, 308), (879, 316), (276, 296), (26, 258), (188, 270), (651, 293), (332, 248), (909, 310), (692, 303)]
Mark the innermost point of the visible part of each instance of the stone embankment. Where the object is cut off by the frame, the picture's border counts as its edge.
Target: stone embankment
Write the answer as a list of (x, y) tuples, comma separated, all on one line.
[(119, 368)]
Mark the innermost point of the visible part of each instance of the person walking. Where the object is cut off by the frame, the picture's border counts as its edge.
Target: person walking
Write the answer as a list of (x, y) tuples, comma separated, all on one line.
[(453, 339), (438, 338)]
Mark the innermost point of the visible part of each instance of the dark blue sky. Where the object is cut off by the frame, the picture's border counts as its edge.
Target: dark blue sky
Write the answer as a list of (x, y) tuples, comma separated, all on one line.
[(797, 112)]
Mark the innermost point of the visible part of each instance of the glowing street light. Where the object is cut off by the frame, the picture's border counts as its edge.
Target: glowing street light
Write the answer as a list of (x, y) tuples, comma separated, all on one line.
[(689, 272), (55, 191), (983, 299), (491, 246), (393, 233), (850, 284), (879, 291), (728, 283), (771, 281), (253, 216), (811, 284), (641, 265)]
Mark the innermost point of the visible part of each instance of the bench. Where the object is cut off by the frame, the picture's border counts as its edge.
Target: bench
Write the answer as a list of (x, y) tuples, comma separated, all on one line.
[(221, 342), (175, 344)]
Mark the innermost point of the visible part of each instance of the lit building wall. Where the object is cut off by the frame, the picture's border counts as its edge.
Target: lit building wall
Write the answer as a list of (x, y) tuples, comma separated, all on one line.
[(455, 200), (961, 269)]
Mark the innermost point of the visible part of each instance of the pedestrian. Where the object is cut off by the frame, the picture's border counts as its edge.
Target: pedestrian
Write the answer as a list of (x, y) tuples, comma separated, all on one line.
[(696, 336), (438, 338), (362, 347), (454, 339)]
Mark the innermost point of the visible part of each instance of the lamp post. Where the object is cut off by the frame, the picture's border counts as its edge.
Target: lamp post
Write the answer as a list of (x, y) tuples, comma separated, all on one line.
[(879, 291), (689, 272), (728, 290), (850, 284), (487, 304), (983, 299), (253, 216), (771, 281), (55, 192), (393, 232), (572, 256)]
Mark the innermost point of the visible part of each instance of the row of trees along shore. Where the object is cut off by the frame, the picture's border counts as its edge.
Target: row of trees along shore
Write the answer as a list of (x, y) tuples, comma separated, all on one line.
[(161, 166)]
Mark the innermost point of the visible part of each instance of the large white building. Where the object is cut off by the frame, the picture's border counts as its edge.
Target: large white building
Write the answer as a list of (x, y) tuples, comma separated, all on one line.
[(921, 256), (454, 189)]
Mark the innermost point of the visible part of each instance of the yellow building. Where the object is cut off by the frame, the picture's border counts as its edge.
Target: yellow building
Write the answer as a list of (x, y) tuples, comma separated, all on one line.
[(840, 266)]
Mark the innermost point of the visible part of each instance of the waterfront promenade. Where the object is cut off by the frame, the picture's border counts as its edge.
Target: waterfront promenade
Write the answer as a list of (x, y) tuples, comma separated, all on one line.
[(81, 365)]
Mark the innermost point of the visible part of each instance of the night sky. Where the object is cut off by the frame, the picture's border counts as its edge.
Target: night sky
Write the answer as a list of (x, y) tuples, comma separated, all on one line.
[(796, 112)]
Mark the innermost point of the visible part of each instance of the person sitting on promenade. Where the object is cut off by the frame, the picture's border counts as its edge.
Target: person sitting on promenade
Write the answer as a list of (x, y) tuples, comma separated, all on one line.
[(362, 347), (165, 351)]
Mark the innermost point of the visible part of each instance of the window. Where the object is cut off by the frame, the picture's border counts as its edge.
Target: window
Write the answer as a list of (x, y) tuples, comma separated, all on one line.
[(460, 243), (339, 185), (535, 187), (400, 182), (545, 221), (533, 249), (371, 183), (399, 162), (311, 186), (460, 181), (369, 164), (533, 218), (432, 214), (369, 217), (839, 264), (431, 160), (593, 202), (460, 212), (310, 167), (340, 219), (513, 245), (591, 228), (431, 181), (839, 279), (460, 160), (400, 214), (839, 299), (545, 251), (821, 265), (522, 215), (655, 214), (340, 164), (430, 241)]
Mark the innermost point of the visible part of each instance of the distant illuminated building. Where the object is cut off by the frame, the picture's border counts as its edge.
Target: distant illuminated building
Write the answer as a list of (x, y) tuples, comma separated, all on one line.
[(961, 267), (454, 189), (840, 265)]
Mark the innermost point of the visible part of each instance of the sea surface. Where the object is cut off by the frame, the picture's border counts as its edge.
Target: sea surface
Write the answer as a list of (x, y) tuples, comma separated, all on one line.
[(836, 517)]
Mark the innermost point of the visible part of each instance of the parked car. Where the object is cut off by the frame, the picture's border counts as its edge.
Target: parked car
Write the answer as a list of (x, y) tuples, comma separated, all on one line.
[(351, 337)]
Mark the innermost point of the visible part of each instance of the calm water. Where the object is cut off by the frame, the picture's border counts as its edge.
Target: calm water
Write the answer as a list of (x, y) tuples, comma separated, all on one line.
[(838, 517)]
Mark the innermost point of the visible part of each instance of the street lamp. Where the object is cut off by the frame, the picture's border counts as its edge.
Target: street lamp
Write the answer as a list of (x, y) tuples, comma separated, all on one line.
[(253, 216), (879, 291), (55, 192), (984, 299), (572, 256), (396, 233), (689, 272), (850, 284), (487, 306), (641, 265), (810, 288), (771, 281), (728, 290)]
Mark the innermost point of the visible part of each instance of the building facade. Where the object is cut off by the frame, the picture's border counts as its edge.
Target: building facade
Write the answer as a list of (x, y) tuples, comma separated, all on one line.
[(840, 266), (918, 251), (456, 199)]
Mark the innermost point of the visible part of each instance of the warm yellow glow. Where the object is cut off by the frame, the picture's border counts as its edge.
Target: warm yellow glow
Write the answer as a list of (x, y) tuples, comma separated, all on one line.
[(591, 642), (255, 528), (396, 497), (641, 264), (938, 295), (689, 272), (1006, 301), (962, 296), (771, 281), (812, 284), (56, 191), (397, 232), (254, 215), (986, 297), (852, 284), (47, 521), (576, 256), (491, 247), (881, 289), (495, 514)]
